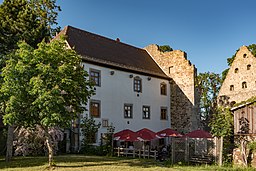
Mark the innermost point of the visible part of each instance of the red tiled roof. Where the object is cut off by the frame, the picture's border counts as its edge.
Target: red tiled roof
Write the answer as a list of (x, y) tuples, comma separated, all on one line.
[(114, 54)]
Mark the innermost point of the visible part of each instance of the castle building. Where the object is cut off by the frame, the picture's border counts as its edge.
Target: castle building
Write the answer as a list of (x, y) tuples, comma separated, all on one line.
[(134, 88)]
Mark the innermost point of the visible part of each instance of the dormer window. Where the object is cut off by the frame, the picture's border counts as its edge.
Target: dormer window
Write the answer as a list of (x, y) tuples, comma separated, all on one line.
[(236, 70), (244, 85), (248, 67), (231, 88), (137, 84)]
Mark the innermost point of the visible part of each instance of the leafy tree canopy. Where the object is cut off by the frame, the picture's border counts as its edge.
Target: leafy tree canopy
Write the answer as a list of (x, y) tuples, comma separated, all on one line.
[(27, 20), (165, 48), (45, 86), (208, 85), (222, 123)]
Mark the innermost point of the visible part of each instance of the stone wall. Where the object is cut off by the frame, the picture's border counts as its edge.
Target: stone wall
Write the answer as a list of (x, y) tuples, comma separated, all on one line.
[(184, 99), (243, 69), (250, 155)]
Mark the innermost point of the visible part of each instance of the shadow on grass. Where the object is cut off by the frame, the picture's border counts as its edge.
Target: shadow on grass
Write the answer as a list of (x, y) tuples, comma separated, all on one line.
[(23, 162), (73, 161)]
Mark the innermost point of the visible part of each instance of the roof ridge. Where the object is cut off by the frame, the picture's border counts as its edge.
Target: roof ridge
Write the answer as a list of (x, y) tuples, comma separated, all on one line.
[(100, 36)]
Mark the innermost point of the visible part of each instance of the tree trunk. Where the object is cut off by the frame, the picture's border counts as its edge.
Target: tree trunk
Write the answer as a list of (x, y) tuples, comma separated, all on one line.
[(50, 148), (9, 143), (244, 151)]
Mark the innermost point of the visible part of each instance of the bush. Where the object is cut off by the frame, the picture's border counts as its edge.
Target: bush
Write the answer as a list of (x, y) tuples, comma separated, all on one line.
[(31, 141)]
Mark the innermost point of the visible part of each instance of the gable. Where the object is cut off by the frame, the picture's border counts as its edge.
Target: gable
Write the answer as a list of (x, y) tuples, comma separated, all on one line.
[(240, 82)]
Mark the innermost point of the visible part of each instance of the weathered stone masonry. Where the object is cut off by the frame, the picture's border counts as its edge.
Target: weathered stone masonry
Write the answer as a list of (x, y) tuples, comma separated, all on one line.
[(240, 82), (238, 86), (184, 99)]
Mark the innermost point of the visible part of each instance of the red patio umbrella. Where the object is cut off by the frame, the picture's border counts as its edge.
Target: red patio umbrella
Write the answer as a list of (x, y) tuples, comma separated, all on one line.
[(126, 135), (198, 134), (168, 132), (147, 135)]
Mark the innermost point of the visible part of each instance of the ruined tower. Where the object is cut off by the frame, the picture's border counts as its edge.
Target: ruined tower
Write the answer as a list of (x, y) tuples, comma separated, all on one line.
[(240, 82), (184, 97)]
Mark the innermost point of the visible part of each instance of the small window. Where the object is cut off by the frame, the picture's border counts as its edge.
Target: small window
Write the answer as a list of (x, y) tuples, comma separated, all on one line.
[(163, 113), (128, 111), (248, 67), (244, 85), (104, 122), (231, 88), (170, 69), (245, 55), (95, 77), (163, 89), (236, 70), (232, 103), (137, 84), (95, 108), (146, 112)]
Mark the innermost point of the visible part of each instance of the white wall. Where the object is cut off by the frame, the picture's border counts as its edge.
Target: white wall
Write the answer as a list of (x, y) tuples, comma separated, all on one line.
[(117, 90)]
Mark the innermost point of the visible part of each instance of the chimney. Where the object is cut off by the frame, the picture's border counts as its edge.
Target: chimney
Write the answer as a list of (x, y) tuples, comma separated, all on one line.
[(117, 39)]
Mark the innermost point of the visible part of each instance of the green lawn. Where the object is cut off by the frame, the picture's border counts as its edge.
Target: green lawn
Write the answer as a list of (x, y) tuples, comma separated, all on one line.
[(95, 163)]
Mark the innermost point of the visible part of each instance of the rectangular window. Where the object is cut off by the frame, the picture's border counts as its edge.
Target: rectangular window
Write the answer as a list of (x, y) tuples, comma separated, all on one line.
[(128, 111), (163, 89), (95, 77), (137, 84), (104, 122), (163, 113), (95, 108), (146, 112)]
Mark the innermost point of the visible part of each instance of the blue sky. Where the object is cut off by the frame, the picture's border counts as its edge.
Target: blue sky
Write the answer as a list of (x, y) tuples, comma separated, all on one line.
[(209, 31)]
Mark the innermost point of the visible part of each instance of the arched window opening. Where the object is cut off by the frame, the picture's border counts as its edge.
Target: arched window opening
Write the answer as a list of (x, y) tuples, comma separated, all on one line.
[(244, 85), (231, 88), (236, 70), (248, 67)]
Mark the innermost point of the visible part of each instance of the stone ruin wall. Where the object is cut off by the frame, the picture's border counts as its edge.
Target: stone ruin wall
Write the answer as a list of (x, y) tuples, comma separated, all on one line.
[(184, 99), (239, 94), (226, 96)]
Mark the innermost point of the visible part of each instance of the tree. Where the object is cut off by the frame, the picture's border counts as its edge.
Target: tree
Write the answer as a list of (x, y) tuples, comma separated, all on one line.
[(222, 126), (107, 140), (208, 85), (27, 20), (45, 87), (222, 123), (89, 128), (165, 48)]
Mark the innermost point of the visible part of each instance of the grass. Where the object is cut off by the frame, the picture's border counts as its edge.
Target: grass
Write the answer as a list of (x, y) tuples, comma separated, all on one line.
[(96, 163)]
